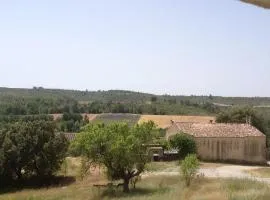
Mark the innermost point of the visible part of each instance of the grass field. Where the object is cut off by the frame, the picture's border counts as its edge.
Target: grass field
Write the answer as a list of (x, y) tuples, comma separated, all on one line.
[(156, 187), (153, 188), (106, 118), (164, 121)]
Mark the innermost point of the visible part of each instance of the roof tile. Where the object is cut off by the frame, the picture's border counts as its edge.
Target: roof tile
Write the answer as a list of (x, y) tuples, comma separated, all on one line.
[(218, 129)]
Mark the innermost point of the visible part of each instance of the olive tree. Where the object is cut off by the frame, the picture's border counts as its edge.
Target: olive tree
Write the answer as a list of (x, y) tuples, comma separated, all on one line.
[(119, 147)]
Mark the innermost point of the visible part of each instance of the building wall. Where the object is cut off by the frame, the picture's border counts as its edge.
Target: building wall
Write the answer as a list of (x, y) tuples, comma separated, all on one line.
[(246, 149)]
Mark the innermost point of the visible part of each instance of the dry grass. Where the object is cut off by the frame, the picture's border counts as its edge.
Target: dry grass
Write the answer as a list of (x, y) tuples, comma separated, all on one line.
[(263, 172), (211, 165), (162, 166), (154, 188), (164, 121), (157, 187)]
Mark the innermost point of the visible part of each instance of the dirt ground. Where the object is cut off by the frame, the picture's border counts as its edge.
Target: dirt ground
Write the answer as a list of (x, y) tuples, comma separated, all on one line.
[(217, 170)]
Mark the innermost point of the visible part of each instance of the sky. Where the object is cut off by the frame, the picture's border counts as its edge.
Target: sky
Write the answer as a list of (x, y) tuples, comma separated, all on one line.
[(157, 46)]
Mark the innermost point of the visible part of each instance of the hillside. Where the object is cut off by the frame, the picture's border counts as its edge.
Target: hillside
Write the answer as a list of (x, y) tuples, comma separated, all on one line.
[(127, 96), (14, 101)]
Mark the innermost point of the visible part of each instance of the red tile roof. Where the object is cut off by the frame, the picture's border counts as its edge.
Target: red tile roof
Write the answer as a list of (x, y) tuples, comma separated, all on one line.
[(218, 130)]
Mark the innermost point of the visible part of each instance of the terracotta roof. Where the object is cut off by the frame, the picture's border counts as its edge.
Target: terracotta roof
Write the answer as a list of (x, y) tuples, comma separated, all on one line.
[(218, 130)]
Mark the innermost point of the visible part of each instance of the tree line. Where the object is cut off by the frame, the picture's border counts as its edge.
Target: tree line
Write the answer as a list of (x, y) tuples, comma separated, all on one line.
[(14, 105)]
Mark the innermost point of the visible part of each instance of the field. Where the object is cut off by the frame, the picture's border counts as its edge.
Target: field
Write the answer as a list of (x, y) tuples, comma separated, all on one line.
[(164, 121), (131, 119), (151, 187)]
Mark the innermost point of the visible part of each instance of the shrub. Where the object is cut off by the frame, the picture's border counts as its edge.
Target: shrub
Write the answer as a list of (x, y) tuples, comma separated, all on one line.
[(189, 168), (184, 144)]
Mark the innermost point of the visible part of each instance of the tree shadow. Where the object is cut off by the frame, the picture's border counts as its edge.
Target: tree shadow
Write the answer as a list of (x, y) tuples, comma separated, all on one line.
[(133, 192), (37, 183)]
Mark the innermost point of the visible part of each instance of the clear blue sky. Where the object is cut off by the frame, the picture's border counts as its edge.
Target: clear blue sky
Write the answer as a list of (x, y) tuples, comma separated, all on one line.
[(157, 46)]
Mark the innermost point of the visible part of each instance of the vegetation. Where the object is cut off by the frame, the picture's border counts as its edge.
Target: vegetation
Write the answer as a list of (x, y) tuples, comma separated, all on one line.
[(184, 143), (119, 147), (246, 115), (71, 122), (30, 149), (152, 188), (189, 168), (131, 119)]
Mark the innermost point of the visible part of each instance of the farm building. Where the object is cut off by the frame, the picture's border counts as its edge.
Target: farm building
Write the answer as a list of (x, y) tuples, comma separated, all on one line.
[(241, 143)]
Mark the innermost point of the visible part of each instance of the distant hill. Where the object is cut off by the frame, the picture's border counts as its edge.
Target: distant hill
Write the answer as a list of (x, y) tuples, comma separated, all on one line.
[(16, 101), (123, 96)]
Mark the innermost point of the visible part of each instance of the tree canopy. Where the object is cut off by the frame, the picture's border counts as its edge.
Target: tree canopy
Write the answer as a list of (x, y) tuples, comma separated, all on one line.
[(184, 144), (30, 149), (119, 147), (242, 115)]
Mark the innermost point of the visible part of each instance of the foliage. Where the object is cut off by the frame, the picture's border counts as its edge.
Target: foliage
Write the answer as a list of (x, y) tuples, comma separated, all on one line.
[(184, 143), (30, 149), (20, 105), (119, 147), (84, 168), (24, 118), (257, 117), (241, 115), (71, 122), (43, 101), (189, 168), (108, 118)]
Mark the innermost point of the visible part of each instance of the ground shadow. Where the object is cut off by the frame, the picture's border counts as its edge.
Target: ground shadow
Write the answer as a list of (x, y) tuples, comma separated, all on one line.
[(133, 192), (37, 183)]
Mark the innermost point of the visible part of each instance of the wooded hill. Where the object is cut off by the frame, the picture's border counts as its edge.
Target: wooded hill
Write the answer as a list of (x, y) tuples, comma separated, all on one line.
[(15, 101), (128, 96)]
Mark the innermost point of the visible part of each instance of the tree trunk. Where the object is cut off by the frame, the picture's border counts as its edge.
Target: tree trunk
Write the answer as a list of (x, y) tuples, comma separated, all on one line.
[(19, 173), (126, 185)]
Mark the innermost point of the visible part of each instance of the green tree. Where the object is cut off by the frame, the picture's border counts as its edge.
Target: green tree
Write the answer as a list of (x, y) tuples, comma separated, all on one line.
[(242, 115), (118, 147), (184, 144), (32, 147), (189, 168)]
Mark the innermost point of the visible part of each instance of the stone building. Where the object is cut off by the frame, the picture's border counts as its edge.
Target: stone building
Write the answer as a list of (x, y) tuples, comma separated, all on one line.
[(241, 143)]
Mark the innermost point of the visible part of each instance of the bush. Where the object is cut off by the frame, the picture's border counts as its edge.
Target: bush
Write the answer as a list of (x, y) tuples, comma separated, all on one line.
[(184, 144), (189, 168)]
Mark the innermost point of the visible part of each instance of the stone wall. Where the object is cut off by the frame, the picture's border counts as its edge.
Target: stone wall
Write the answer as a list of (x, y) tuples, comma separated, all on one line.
[(231, 149), (244, 150)]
